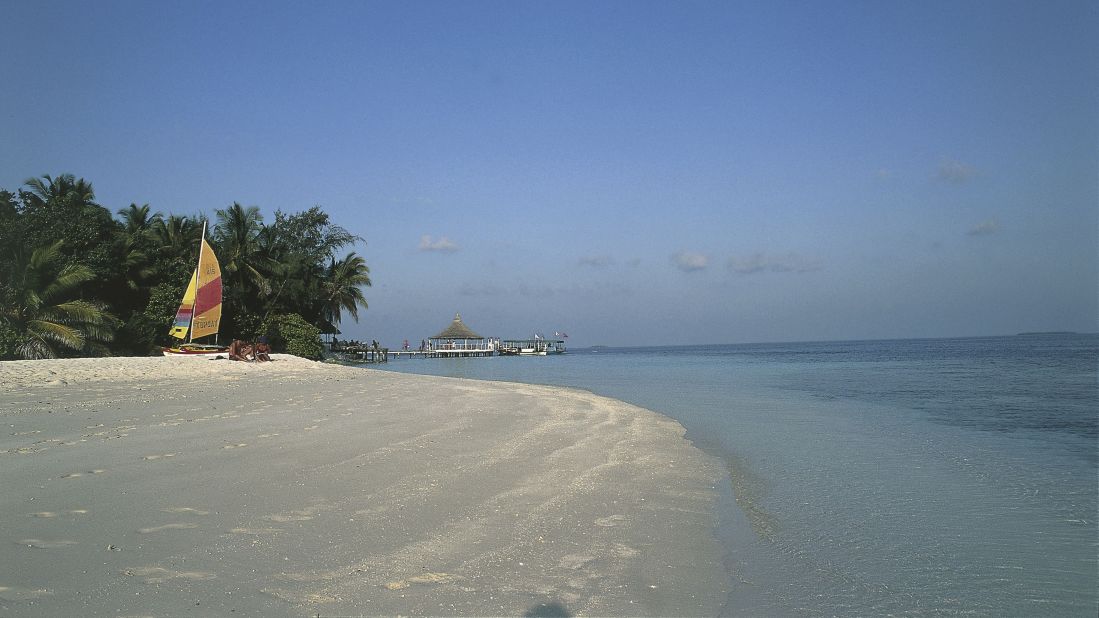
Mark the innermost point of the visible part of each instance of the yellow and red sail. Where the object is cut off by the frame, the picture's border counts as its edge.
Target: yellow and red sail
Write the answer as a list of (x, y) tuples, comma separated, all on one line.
[(200, 312)]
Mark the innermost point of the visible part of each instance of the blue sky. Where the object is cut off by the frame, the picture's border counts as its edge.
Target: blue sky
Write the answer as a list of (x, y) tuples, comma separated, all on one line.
[(625, 172)]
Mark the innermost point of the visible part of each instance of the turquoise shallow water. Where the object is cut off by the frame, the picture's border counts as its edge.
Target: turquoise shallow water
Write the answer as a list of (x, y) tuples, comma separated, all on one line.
[(942, 477)]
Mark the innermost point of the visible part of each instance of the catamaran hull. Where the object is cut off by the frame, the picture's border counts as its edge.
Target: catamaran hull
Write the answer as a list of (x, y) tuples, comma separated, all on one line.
[(201, 353)]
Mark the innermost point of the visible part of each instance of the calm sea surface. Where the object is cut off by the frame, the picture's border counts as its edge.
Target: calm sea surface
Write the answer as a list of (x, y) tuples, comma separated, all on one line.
[(934, 477)]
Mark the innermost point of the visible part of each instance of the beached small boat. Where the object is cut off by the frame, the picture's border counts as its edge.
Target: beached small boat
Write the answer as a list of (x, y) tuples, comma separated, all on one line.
[(199, 314)]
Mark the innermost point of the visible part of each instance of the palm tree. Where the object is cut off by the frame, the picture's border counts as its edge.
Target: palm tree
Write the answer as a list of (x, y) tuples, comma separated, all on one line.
[(237, 234), (175, 236), (138, 221), (64, 208), (342, 287), (40, 311), (137, 244), (63, 189), (176, 241)]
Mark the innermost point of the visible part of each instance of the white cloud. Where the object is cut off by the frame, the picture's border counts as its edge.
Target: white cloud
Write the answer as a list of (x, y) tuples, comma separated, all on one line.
[(955, 171), (762, 262), (690, 262), (984, 228), (443, 245)]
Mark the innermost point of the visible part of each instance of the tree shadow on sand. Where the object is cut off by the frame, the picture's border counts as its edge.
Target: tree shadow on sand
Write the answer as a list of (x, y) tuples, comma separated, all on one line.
[(547, 610)]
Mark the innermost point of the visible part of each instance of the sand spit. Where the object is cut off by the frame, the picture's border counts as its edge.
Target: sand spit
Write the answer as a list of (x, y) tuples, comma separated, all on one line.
[(156, 486)]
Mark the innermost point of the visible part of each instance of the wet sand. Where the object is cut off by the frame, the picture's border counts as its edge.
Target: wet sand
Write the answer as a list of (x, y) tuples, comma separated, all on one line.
[(164, 487)]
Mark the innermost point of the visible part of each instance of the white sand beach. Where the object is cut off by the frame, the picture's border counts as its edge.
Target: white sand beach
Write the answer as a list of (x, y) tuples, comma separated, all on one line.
[(164, 487)]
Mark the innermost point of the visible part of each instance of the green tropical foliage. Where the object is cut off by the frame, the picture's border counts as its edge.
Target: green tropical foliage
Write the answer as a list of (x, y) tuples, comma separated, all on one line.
[(74, 280), (293, 334), (343, 285), (40, 312)]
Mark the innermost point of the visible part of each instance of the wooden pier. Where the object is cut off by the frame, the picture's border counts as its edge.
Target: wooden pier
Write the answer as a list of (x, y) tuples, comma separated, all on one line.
[(455, 341), (382, 355), (443, 353), (362, 354)]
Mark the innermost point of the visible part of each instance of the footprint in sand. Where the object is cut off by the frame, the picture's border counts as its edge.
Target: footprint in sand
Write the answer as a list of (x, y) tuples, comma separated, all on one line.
[(167, 527), (310, 598), (185, 509), (294, 516), (256, 531), (304, 514), (73, 475), (611, 521), (26, 450), (425, 578), (53, 514), (40, 544), (624, 551), (158, 575), (15, 593)]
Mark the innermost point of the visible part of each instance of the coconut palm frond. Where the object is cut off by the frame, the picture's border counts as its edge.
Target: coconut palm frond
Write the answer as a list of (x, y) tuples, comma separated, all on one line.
[(78, 312), (42, 312), (66, 281), (34, 348), (41, 333)]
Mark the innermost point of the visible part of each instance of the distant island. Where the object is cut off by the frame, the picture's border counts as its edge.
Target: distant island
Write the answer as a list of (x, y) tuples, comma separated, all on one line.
[(1049, 332)]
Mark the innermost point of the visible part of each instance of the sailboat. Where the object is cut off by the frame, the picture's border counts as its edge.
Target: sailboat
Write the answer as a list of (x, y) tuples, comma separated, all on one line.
[(199, 314)]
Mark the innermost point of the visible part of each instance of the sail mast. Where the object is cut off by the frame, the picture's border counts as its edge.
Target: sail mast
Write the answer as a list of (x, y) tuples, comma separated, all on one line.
[(198, 284)]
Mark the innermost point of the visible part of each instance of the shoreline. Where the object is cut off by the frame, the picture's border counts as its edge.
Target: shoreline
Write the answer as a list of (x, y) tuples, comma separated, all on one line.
[(154, 485)]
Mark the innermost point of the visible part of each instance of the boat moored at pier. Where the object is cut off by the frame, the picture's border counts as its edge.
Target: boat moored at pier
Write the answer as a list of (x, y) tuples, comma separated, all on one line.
[(538, 346)]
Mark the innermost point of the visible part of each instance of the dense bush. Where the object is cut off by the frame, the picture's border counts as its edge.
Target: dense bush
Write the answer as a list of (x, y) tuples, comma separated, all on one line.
[(290, 333), (9, 342)]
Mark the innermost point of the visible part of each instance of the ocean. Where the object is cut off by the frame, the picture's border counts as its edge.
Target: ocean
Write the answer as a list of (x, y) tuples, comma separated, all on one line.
[(927, 477)]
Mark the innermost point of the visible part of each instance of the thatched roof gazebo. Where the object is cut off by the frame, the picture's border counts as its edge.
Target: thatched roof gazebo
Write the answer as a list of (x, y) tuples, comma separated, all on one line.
[(459, 340), (457, 330)]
